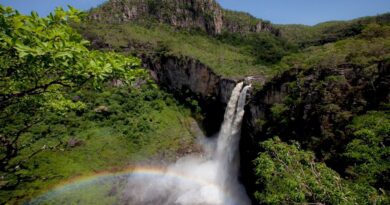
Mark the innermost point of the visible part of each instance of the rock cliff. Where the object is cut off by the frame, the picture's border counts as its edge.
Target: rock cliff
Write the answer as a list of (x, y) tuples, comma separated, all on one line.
[(319, 100), (312, 107), (188, 78), (206, 15)]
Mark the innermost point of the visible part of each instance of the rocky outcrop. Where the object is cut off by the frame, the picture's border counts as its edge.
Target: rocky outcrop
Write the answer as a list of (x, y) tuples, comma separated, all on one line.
[(206, 15), (183, 74), (240, 22)]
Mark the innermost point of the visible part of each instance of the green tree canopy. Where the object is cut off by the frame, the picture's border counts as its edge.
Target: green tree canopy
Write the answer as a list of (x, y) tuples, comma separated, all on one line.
[(41, 60), (368, 153), (289, 175)]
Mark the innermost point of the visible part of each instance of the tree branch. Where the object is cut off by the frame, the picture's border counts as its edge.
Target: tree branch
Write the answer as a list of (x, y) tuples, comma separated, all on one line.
[(33, 91), (37, 152)]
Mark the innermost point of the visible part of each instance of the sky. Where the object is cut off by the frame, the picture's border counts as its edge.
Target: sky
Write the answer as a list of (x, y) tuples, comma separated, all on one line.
[(307, 12)]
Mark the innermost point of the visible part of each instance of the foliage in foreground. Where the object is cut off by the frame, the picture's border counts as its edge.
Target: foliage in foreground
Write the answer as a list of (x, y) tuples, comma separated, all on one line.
[(286, 174), (41, 59), (368, 154), (289, 175), (66, 111)]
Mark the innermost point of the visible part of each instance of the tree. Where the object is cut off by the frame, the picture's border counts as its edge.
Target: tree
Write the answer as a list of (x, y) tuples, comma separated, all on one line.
[(41, 60), (368, 155), (288, 175)]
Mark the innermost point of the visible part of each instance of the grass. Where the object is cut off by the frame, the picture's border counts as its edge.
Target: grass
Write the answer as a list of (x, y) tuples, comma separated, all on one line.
[(225, 59)]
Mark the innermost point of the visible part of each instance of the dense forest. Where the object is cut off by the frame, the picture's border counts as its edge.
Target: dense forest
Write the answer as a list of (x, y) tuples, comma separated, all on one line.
[(138, 81)]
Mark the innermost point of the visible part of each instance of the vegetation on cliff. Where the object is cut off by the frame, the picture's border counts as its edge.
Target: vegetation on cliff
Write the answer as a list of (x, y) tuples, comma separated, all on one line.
[(239, 49), (336, 106), (228, 54)]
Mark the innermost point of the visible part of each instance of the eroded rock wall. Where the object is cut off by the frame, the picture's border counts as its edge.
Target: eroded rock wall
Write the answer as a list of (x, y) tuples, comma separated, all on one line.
[(206, 15), (188, 78)]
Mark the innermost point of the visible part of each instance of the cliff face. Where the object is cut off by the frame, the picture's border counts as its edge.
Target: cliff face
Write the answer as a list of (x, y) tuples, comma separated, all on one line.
[(240, 22), (185, 75), (316, 102), (188, 78), (312, 107), (206, 15)]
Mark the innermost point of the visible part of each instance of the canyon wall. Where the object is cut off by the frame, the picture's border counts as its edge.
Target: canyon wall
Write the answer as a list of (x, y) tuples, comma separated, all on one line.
[(189, 79), (314, 108)]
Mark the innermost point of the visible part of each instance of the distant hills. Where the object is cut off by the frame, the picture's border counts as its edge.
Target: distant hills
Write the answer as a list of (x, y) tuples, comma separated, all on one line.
[(231, 43)]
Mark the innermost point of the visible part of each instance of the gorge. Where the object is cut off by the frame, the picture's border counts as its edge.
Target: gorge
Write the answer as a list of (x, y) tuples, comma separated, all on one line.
[(185, 102)]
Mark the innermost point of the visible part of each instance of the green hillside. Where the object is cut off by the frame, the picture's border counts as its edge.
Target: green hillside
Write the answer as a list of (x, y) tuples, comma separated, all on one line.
[(372, 45), (328, 32), (228, 55)]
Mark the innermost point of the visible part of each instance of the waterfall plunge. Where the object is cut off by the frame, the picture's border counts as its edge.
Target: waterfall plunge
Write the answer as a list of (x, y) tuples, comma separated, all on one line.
[(210, 179), (227, 156)]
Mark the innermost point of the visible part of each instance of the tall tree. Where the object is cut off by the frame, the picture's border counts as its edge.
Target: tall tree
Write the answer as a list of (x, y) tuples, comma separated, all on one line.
[(41, 60)]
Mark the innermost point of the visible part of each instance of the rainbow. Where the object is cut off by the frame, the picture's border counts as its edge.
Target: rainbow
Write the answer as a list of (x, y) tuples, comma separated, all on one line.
[(152, 171)]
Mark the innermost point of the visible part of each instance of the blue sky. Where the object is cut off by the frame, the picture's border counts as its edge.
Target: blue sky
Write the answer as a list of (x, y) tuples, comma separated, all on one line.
[(308, 11), (277, 11)]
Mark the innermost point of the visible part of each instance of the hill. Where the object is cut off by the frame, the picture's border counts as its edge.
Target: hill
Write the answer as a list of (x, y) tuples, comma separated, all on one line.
[(231, 43), (328, 32)]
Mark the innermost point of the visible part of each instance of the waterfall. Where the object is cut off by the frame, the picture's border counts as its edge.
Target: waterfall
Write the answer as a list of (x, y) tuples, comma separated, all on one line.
[(227, 155), (218, 167)]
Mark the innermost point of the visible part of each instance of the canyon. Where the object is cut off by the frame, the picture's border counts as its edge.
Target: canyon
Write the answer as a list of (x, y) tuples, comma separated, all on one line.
[(185, 102)]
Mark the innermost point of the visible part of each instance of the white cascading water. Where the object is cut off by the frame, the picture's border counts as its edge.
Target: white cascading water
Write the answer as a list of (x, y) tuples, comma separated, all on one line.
[(227, 155), (207, 179)]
